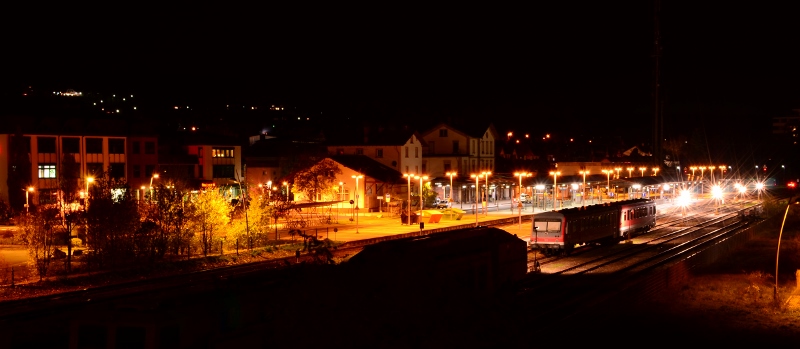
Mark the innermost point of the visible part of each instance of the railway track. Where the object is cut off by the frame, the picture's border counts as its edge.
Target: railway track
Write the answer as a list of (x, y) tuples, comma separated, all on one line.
[(580, 284)]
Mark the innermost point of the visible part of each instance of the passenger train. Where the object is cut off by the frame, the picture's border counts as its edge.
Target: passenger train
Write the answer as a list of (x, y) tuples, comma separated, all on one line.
[(560, 231)]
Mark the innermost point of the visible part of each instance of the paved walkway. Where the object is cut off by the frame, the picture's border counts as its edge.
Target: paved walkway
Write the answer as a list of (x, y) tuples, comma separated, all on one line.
[(375, 224)]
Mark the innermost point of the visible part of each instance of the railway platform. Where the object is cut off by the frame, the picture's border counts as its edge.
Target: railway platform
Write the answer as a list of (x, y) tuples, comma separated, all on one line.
[(375, 224)]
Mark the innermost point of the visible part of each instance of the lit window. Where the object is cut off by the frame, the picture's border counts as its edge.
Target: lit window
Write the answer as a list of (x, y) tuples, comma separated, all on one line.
[(47, 171), (222, 152)]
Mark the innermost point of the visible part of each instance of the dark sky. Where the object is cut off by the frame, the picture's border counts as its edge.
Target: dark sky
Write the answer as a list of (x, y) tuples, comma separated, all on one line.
[(540, 66)]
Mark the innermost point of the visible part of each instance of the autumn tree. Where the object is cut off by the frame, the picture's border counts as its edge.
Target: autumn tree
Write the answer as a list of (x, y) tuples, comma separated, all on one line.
[(317, 179), (37, 234), (211, 212)]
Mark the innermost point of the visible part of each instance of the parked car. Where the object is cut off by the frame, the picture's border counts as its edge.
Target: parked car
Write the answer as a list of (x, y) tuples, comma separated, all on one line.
[(440, 203), (525, 198)]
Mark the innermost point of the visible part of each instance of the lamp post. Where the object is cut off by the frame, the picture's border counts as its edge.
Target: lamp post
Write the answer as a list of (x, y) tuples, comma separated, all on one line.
[(89, 180), (286, 184), (630, 172), (519, 196), (655, 171), (451, 175), (477, 194), (617, 169), (693, 168), (486, 203), (27, 205), (421, 202), (555, 175), (269, 189), (357, 176), (341, 194), (154, 176), (702, 169), (409, 176), (711, 170), (608, 184), (583, 189), (642, 169)]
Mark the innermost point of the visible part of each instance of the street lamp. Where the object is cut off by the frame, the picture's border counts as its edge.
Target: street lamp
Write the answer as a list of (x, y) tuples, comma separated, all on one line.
[(583, 190), (29, 190), (642, 169), (608, 183), (88, 180), (711, 170), (555, 175), (477, 193), (655, 171), (618, 169), (519, 200), (451, 175), (630, 172), (721, 172), (702, 169), (409, 176), (485, 203), (269, 189), (693, 168), (286, 184), (421, 202), (154, 176), (357, 176)]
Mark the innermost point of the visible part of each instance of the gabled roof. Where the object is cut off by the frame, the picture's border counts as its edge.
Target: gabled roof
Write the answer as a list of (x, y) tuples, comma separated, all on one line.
[(372, 137), (369, 168), (444, 125), (473, 130)]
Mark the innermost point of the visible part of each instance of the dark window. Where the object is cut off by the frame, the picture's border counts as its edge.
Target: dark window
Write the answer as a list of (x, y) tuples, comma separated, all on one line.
[(117, 170), (94, 169), (135, 147), (90, 336), (149, 147), (455, 147), (137, 171), (379, 153), (71, 145), (359, 151), (130, 337), (116, 146), (46, 144), (443, 132), (223, 171), (94, 145), (149, 169)]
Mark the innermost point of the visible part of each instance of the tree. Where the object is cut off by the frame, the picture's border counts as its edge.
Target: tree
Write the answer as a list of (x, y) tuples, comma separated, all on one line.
[(112, 220), (37, 234), (167, 227), (211, 213), (317, 180), (69, 178)]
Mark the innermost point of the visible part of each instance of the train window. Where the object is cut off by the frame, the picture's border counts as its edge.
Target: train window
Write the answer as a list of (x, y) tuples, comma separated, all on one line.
[(549, 227)]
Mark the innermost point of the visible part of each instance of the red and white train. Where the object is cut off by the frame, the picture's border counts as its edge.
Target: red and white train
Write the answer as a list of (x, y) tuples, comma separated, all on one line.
[(560, 231)]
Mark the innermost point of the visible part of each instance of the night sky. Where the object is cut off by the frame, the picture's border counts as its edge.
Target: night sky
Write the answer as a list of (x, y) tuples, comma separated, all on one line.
[(545, 67)]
